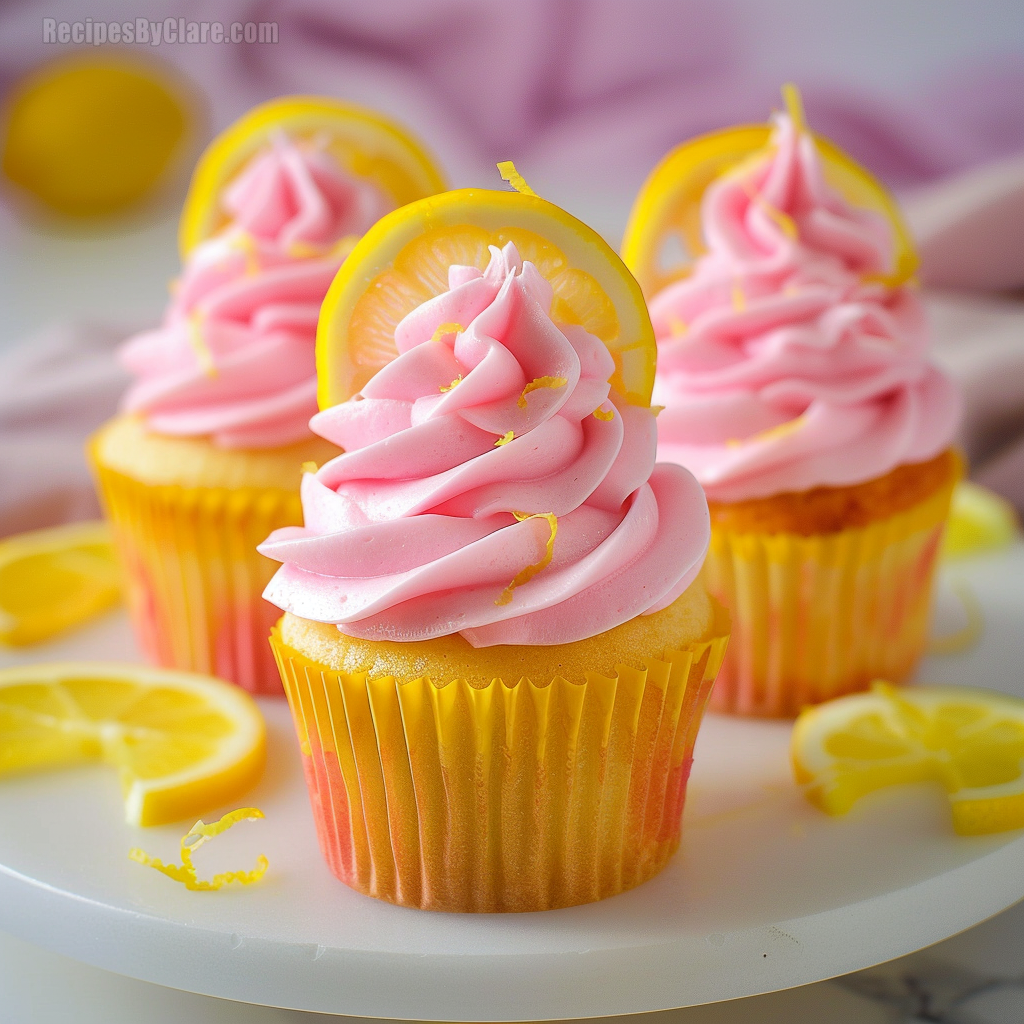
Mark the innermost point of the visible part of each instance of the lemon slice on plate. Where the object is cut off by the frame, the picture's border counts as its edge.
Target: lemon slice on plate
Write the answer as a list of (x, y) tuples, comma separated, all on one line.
[(664, 236), (182, 743), (92, 135), (403, 261), (971, 741), (51, 580), (365, 144), (979, 520)]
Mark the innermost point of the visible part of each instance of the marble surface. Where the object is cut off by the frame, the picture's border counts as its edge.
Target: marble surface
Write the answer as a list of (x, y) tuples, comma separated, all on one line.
[(974, 978)]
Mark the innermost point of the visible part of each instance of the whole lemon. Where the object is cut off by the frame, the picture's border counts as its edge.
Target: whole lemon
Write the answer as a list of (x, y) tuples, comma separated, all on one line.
[(91, 136)]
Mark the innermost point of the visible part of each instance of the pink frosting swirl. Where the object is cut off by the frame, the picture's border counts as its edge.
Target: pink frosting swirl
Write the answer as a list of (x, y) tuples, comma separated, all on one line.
[(491, 485), (234, 357), (782, 363)]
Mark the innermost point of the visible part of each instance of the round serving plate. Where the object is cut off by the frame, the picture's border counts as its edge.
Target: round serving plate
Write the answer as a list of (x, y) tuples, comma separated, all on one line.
[(765, 893)]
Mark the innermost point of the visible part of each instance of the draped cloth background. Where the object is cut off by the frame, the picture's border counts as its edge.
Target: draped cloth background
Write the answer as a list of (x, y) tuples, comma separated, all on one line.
[(586, 96)]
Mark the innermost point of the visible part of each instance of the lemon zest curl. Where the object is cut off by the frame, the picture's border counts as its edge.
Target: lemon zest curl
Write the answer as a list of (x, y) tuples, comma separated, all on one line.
[(527, 574), (199, 833), (540, 382)]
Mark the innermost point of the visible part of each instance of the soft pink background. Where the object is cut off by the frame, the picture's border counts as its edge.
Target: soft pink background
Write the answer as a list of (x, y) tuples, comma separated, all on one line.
[(585, 95)]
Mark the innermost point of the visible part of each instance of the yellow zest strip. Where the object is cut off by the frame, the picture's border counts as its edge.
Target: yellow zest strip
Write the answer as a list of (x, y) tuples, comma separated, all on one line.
[(540, 382), (508, 172), (771, 434), (445, 329), (309, 467), (605, 414), (344, 245), (454, 384), (739, 300), (308, 250), (782, 220), (244, 241), (967, 637), (504, 439), (775, 433), (876, 277), (677, 327), (199, 346), (656, 409), (530, 571), (200, 832), (794, 106), (304, 250)]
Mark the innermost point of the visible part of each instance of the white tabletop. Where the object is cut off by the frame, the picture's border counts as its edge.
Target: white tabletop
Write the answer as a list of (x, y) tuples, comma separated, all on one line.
[(765, 894)]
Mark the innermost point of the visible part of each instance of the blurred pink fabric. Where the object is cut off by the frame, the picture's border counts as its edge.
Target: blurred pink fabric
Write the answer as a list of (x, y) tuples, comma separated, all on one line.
[(590, 92), (586, 96)]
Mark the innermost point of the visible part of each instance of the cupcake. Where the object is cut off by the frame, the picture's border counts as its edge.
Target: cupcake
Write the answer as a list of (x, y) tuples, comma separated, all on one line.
[(793, 370), (496, 646), (206, 456)]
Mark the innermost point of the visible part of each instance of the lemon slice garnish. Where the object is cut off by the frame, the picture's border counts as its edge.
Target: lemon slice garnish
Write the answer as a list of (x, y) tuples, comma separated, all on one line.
[(51, 580), (403, 261), (182, 743), (365, 144), (979, 520), (664, 235), (969, 741)]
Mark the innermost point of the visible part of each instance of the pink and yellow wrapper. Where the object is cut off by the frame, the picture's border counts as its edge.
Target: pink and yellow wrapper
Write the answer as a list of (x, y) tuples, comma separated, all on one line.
[(501, 797), (194, 578), (815, 617)]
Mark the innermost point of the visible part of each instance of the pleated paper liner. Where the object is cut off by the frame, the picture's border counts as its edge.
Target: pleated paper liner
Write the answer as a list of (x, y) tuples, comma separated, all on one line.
[(195, 579), (816, 617), (499, 798)]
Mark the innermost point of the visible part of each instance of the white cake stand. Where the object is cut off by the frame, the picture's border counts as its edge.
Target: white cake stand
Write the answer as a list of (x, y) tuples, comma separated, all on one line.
[(766, 893)]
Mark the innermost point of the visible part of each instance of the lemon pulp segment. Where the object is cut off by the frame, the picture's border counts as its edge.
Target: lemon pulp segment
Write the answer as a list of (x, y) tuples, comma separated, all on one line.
[(181, 742), (970, 741), (54, 579)]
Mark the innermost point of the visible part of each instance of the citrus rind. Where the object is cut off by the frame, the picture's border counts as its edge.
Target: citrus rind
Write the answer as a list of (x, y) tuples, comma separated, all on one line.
[(970, 741), (367, 145), (668, 206), (55, 579), (183, 743), (403, 260)]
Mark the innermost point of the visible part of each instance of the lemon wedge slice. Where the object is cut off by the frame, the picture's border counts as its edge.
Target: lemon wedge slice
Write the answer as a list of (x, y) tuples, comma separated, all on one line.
[(51, 580), (979, 520), (970, 741), (182, 743), (365, 144), (403, 261), (664, 235), (89, 136)]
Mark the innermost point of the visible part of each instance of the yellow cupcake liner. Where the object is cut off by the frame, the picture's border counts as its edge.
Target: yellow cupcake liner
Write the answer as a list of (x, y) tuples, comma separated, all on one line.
[(816, 617), (499, 798), (194, 578)]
